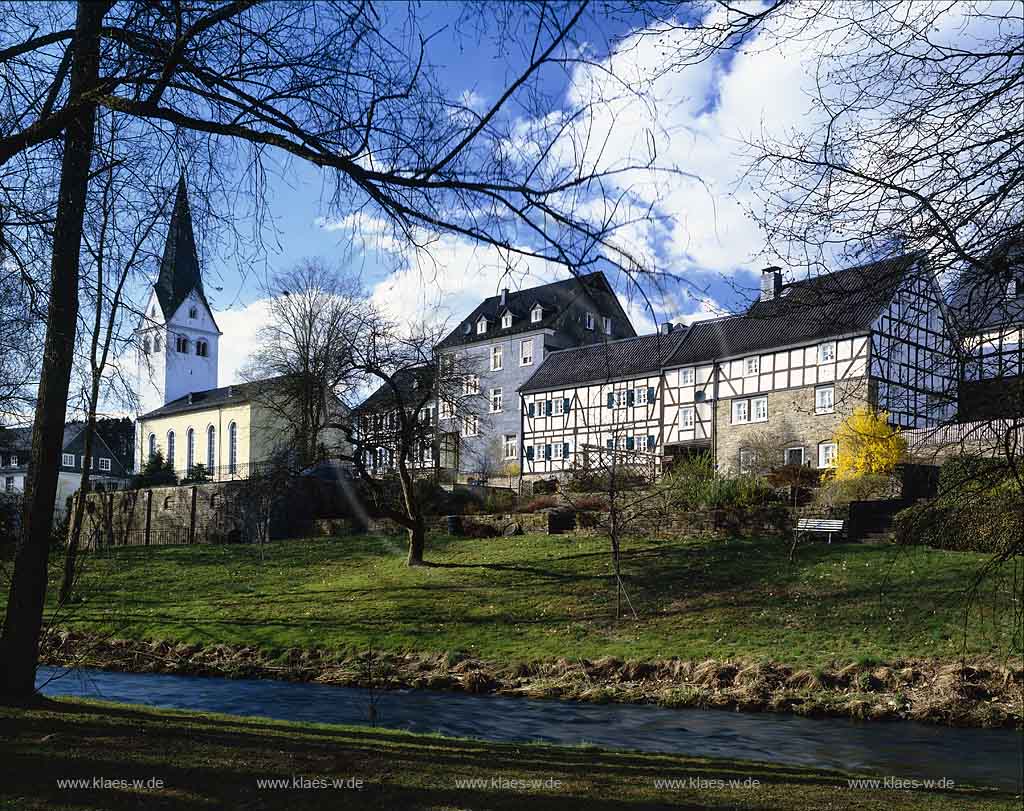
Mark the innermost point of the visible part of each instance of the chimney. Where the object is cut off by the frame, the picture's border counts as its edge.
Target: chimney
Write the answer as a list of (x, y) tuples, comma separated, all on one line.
[(771, 283), (504, 296), (667, 327)]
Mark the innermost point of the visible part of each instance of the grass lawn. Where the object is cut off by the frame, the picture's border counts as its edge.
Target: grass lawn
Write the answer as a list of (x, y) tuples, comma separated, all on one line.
[(210, 761), (543, 597)]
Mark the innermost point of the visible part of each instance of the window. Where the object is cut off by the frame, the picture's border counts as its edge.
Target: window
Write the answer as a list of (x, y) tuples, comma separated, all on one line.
[(506, 320), (511, 446), (621, 399), (526, 352), (104, 464), (496, 401), (558, 407), (9, 484), (170, 447), (152, 445), (14, 460), (640, 396), (827, 352), (156, 344), (181, 344), (447, 409), (824, 400), (751, 366), (471, 384), (190, 449), (67, 459), (557, 450), (686, 418), (606, 325), (537, 314), (827, 452), (471, 425), (794, 456), (686, 377), (192, 313), (211, 445), (145, 345), (202, 349), (496, 358), (746, 460), (481, 326), (232, 447), (753, 410), (588, 320)]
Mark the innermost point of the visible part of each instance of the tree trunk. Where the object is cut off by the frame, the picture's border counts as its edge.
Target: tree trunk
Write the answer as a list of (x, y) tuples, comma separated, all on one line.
[(417, 543), (19, 645), (75, 533)]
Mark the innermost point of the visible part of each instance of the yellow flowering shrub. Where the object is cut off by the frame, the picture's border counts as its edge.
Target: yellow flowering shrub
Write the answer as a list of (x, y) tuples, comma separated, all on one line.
[(867, 444)]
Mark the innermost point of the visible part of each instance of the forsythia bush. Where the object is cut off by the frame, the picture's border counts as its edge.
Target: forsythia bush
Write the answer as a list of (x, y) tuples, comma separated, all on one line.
[(867, 444)]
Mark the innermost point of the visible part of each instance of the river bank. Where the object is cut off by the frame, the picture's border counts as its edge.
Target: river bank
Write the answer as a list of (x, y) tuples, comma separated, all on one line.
[(976, 693), (96, 755)]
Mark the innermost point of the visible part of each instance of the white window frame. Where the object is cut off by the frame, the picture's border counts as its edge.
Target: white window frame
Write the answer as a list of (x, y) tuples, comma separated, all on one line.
[(511, 446), (497, 357), (13, 461), (471, 385), (557, 407), (688, 377), (606, 324), (526, 352), (556, 451), (621, 398), (803, 454), (104, 464), (447, 409), (824, 449), (740, 412), (67, 459), (481, 326), (754, 404), (470, 425), (9, 484), (820, 390), (506, 320), (536, 314), (752, 366), (589, 320), (828, 347), (687, 418), (497, 397), (640, 396), (749, 454)]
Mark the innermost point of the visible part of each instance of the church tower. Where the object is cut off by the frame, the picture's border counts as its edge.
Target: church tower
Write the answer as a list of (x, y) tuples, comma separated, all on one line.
[(176, 340)]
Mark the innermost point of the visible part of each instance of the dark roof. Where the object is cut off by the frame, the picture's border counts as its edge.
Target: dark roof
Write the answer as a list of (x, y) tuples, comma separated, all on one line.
[(211, 398), (383, 398), (13, 440), (179, 267), (556, 298), (629, 357), (993, 295), (836, 303)]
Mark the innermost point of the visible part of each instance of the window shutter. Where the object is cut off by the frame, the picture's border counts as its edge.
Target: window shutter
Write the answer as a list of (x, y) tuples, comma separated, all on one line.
[(547, 408), (650, 442), (529, 452), (547, 451), (611, 399), (565, 405), (565, 449), (529, 409), (651, 395), (629, 443), (629, 397)]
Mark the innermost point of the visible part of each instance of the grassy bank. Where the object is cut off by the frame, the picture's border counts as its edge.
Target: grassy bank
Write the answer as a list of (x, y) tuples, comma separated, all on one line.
[(209, 761), (539, 597)]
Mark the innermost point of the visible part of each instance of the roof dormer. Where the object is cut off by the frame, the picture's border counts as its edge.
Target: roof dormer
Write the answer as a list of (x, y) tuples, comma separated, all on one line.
[(536, 313), (481, 325), (506, 319)]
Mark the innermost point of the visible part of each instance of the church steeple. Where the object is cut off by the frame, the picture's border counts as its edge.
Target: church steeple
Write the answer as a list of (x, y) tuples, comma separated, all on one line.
[(179, 268)]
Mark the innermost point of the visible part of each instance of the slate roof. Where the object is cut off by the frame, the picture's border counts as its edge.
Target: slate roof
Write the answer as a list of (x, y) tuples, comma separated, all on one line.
[(383, 397), (179, 267), (557, 299), (211, 398), (982, 301), (837, 303), (629, 357)]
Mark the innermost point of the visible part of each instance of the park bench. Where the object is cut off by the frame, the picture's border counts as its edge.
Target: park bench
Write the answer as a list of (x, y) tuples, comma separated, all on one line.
[(811, 526)]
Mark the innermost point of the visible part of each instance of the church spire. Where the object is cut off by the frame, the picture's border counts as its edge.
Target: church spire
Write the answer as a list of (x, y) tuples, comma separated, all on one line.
[(179, 268)]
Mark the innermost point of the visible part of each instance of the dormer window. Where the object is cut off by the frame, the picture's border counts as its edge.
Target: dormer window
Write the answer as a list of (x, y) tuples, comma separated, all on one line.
[(606, 325), (588, 320), (506, 320), (193, 313), (536, 314), (481, 326)]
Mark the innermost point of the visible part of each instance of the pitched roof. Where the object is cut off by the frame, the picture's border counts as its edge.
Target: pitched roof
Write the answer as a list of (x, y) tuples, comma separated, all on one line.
[(836, 303), (211, 398), (629, 357), (992, 296), (383, 397), (179, 267), (556, 299)]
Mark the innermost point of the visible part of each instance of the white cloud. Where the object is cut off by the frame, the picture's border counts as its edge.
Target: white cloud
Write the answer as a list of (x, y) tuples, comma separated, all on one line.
[(240, 327)]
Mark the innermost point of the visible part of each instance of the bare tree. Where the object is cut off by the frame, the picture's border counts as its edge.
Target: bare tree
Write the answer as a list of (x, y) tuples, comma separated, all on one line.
[(315, 317)]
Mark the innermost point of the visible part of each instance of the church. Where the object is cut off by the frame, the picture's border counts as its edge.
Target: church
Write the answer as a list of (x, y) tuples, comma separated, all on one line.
[(183, 414)]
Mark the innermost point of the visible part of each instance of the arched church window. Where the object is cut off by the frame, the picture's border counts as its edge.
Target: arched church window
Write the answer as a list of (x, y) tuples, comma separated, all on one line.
[(211, 439), (181, 344), (170, 447), (145, 345), (152, 445), (156, 343), (202, 349), (233, 448), (192, 312), (190, 450)]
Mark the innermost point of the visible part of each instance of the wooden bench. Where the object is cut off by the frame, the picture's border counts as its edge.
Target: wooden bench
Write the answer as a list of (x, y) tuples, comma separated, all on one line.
[(810, 526)]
